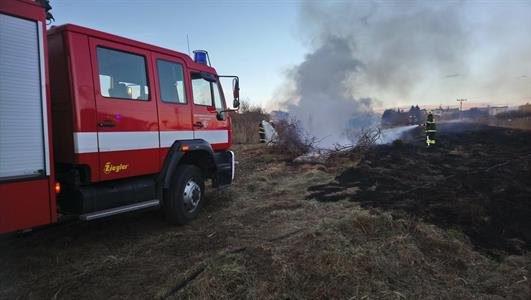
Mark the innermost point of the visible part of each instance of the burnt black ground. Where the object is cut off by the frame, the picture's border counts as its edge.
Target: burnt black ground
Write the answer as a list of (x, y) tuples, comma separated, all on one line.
[(476, 180)]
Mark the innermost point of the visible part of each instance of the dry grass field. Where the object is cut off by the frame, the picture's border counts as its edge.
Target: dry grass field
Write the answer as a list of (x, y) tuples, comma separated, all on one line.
[(347, 229)]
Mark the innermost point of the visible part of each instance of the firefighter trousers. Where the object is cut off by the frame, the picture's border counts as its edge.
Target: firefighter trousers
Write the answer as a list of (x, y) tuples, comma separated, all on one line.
[(430, 138)]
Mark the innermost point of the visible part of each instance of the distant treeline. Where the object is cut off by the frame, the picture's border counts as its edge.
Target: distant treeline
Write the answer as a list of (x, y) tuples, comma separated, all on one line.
[(415, 115), (398, 117), (514, 114)]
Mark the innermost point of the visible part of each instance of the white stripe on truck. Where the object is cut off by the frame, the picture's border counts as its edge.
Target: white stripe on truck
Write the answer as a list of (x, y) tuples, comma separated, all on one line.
[(85, 142), (89, 142), (168, 137), (127, 140), (213, 136)]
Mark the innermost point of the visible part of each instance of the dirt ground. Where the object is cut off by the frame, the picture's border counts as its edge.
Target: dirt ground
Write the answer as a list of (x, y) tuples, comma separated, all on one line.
[(398, 222)]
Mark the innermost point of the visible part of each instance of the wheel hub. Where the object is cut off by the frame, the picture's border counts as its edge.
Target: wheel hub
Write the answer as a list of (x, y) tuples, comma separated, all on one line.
[(191, 195)]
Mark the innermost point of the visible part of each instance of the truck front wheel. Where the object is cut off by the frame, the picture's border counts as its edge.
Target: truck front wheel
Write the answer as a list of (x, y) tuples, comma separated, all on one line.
[(185, 197)]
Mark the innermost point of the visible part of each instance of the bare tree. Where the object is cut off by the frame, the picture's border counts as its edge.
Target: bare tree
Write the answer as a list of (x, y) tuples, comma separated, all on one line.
[(246, 107)]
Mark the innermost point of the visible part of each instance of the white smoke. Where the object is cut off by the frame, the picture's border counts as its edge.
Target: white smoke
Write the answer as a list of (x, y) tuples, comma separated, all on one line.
[(391, 134), (325, 108), (371, 51)]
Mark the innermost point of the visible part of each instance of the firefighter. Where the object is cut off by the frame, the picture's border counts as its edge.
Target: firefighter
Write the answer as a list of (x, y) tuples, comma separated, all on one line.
[(261, 132), (430, 129)]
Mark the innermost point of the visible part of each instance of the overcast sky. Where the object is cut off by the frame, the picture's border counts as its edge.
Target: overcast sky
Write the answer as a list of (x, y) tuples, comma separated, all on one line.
[(487, 56)]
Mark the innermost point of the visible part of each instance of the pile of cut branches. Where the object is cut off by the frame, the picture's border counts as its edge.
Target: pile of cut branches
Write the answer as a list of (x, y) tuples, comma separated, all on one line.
[(361, 140), (292, 140)]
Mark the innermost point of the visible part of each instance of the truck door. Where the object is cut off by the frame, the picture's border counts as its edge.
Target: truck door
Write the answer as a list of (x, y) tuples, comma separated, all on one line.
[(175, 113), (127, 122), (209, 121)]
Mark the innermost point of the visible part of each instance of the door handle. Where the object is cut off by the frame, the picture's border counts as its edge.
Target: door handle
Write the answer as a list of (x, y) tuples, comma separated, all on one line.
[(106, 124), (199, 125)]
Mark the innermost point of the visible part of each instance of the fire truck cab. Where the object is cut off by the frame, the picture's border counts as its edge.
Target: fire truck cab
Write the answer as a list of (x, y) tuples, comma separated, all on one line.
[(120, 125)]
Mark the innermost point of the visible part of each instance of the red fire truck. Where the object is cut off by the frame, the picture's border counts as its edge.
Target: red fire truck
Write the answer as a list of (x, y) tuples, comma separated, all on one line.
[(93, 124)]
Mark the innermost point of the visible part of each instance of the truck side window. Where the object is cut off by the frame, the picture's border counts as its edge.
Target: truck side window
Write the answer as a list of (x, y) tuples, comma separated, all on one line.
[(201, 90), (171, 82), (218, 101), (122, 75)]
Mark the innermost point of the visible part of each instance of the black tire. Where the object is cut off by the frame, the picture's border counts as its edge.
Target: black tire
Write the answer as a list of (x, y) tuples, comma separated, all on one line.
[(176, 207)]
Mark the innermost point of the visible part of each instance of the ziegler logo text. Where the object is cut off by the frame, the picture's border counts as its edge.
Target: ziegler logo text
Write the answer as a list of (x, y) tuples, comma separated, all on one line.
[(109, 168)]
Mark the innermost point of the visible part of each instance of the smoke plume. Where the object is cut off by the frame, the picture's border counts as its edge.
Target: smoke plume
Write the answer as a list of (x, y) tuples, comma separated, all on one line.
[(393, 53), (325, 107)]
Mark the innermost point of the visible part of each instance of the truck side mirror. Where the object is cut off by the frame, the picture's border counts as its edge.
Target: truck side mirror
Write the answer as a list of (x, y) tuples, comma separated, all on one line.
[(220, 115), (236, 92)]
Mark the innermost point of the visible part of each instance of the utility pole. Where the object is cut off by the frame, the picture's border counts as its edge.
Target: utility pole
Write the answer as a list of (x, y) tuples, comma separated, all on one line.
[(461, 108), (461, 104)]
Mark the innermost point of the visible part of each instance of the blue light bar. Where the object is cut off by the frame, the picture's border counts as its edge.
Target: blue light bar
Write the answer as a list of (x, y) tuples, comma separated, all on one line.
[(201, 57)]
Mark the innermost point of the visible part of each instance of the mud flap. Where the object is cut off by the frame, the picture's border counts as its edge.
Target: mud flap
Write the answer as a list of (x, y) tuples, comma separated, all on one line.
[(224, 169)]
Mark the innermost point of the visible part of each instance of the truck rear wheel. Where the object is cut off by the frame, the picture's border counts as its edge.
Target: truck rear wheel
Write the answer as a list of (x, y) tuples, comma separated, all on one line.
[(185, 197)]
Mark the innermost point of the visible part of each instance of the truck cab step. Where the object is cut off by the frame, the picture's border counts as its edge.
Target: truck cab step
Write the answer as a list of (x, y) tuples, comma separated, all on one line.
[(119, 210)]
